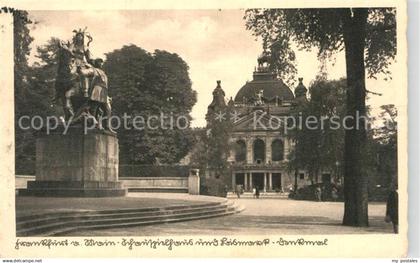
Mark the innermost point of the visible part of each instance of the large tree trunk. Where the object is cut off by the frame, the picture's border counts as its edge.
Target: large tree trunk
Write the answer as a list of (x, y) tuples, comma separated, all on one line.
[(355, 176)]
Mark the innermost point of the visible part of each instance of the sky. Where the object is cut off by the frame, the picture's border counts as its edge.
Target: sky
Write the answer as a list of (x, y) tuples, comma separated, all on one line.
[(214, 43)]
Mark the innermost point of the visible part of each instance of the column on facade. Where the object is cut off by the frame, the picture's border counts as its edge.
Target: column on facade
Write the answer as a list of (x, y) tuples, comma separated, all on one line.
[(270, 181), (265, 181), (283, 175), (245, 181), (249, 155), (233, 182), (268, 149), (286, 148), (250, 181)]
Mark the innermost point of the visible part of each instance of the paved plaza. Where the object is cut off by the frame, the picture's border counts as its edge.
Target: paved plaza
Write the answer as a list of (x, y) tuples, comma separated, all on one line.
[(262, 217)]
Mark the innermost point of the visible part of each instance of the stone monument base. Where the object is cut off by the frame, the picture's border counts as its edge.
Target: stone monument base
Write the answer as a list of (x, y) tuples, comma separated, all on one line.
[(72, 189), (76, 165)]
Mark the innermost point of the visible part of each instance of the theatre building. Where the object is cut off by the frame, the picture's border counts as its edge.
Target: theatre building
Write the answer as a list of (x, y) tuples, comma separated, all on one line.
[(260, 146)]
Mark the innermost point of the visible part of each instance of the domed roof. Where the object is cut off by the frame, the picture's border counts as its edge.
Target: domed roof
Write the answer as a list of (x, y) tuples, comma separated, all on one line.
[(268, 82)]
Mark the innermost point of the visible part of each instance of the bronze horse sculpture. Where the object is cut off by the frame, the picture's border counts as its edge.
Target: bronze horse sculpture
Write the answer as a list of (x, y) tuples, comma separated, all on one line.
[(73, 92)]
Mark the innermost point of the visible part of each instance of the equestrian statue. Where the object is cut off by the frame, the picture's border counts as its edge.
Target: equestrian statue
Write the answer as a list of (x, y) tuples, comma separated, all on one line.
[(81, 84)]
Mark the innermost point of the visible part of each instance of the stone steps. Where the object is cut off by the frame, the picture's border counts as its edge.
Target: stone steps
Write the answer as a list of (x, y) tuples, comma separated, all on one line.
[(159, 189), (268, 195), (37, 216), (47, 219), (55, 224)]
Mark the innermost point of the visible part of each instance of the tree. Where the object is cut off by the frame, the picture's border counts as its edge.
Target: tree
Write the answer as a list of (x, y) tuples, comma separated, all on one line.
[(144, 84), (43, 74), (318, 148), (35, 97), (218, 128), (22, 41), (212, 152), (387, 133), (368, 37), (218, 147), (198, 152), (386, 139)]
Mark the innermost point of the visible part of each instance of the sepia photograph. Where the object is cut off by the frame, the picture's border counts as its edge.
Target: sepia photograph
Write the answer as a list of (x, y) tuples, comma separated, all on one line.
[(221, 122)]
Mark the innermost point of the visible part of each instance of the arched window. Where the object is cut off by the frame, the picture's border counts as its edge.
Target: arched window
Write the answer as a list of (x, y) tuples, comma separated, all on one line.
[(277, 150), (240, 151), (259, 151)]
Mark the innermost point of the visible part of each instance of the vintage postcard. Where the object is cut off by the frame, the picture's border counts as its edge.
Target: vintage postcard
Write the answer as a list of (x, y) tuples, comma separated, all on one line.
[(203, 129)]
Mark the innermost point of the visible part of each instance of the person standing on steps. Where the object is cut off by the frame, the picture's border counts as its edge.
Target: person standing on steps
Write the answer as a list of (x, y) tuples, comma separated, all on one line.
[(238, 190), (318, 194), (257, 192)]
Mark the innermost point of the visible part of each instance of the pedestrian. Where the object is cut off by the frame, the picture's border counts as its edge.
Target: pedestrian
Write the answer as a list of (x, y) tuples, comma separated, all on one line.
[(257, 192), (253, 192), (318, 194), (238, 190), (334, 194), (392, 209)]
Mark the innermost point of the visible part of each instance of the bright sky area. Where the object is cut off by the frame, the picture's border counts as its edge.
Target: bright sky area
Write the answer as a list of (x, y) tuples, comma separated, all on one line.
[(214, 43)]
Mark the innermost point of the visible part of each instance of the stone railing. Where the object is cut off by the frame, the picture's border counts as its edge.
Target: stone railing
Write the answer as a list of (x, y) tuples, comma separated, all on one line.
[(157, 183), (151, 184)]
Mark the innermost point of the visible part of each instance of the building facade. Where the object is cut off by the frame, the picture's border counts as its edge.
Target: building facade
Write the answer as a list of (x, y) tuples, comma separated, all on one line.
[(260, 145)]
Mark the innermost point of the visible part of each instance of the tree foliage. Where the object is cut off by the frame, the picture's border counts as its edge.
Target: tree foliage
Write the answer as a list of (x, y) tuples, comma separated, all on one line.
[(368, 38), (144, 84), (387, 133), (22, 41), (387, 143), (319, 147), (322, 29), (219, 127)]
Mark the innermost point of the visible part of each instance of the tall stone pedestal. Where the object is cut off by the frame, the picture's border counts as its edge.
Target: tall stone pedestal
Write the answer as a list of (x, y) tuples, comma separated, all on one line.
[(76, 165)]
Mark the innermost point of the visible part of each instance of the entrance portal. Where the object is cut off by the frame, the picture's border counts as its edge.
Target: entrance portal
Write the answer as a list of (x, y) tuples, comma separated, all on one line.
[(326, 178), (276, 181), (240, 179), (258, 180)]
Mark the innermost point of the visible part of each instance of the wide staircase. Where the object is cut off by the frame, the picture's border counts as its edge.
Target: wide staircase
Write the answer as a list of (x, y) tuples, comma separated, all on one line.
[(267, 195), (61, 223)]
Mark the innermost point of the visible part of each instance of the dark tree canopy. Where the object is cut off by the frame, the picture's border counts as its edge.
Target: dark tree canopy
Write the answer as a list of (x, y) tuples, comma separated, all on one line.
[(145, 84), (386, 137), (21, 50), (319, 148)]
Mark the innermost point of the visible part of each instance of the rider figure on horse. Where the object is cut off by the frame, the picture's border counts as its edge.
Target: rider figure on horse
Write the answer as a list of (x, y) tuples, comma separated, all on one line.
[(82, 56), (98, 90), (79, 74)]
